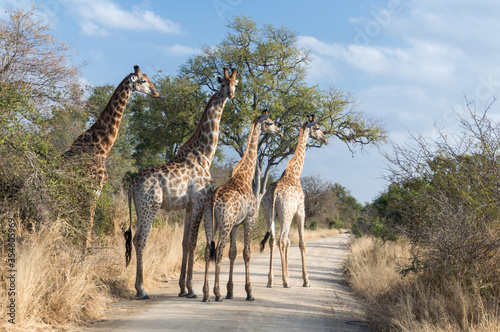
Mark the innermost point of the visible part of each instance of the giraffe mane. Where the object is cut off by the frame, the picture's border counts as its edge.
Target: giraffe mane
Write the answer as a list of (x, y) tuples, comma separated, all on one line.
[(238, 165), (198, 127), (301, 134)]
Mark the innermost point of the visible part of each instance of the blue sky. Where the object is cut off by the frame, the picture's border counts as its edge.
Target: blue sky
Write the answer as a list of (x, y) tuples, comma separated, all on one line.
[(409, 63)]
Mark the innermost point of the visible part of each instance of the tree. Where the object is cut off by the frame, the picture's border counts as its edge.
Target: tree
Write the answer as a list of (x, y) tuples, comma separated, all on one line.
[(271, 73), (158, 127), (444, 197), (38, 82)]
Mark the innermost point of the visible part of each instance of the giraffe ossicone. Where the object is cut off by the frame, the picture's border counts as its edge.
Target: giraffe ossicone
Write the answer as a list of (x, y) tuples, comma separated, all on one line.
[(90, 149), (231, 205), (284, 200), (182, 183)]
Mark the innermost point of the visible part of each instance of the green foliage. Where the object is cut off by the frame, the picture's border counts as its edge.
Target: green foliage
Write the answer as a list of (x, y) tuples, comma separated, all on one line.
[(271, 73), (444, 198), (158, 127)]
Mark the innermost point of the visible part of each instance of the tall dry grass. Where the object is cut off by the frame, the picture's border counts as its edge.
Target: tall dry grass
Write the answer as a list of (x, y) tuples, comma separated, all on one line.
[(417, 302), (57, 287)]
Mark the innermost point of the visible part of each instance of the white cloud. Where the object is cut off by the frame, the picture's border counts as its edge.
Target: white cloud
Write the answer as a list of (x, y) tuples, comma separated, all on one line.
[(176, 49), (97, 17)]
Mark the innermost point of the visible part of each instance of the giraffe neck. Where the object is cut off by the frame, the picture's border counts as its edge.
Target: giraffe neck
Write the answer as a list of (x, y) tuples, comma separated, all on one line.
[(203, 142), (105, 129), (245, 169), (296, 164)]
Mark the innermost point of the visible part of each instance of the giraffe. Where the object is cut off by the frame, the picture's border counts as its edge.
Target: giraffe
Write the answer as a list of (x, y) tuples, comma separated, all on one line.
[(91, 148), (183, 183), (285, 199), (231, 205)]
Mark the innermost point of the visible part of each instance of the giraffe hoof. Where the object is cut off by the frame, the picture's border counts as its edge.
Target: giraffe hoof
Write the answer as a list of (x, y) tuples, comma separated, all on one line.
[(191, 296), (143, 297), (205, 300), (229, 296), (250, 298), (286, 285), (306, 284), (218, 298), (183, 294), (269, 285)]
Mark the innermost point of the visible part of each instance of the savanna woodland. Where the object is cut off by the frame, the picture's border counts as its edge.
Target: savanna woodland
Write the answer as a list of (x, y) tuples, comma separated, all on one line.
[(426, 255)]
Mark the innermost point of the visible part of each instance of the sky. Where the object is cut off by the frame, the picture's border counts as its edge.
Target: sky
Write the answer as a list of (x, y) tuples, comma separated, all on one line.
[(409, 63)]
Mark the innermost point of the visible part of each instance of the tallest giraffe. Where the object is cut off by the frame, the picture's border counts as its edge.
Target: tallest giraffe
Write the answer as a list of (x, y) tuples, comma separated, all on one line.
[(90, 149), (183, 183)]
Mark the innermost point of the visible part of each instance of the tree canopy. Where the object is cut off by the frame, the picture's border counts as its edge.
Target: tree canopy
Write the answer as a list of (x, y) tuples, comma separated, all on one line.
[(271, 71)]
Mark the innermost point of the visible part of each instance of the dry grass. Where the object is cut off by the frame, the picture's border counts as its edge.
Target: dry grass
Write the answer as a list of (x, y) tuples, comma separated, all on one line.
[(416, 302), (59, 288)]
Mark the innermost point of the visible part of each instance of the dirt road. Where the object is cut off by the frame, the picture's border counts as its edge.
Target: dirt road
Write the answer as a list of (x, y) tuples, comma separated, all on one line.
[(326, 306)]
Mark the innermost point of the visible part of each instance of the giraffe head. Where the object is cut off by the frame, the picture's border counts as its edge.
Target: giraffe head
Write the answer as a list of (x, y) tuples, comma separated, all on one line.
[(267, 125), (228, 83), (140, 82), (314, 130)]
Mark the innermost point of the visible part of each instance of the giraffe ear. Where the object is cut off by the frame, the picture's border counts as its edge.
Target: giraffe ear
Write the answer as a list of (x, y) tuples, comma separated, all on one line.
[(219, 79)]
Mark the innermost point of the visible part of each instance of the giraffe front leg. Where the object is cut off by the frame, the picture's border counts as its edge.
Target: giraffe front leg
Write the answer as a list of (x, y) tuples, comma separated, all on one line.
[(233, 251), (246, 257), (196, 217), (206, 288), (218, 261), (185, 253)]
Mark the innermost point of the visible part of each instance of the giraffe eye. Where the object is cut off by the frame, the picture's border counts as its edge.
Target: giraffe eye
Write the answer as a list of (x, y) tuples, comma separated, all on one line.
[(142, 81)]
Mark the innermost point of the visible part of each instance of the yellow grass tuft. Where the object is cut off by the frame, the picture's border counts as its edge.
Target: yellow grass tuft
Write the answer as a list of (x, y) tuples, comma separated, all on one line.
[(417, 302)]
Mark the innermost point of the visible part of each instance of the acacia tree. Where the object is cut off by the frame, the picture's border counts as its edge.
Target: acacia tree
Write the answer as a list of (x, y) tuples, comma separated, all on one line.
[(271, 73)]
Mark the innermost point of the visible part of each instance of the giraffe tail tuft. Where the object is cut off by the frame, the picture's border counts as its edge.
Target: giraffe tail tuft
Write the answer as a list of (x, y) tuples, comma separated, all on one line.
[(128, 233), (128, 246), (213, 252), (263, 242)]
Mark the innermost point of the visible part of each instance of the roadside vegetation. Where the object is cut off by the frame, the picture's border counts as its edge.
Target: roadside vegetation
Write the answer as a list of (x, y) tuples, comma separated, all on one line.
[(61, 285), (429, 259)]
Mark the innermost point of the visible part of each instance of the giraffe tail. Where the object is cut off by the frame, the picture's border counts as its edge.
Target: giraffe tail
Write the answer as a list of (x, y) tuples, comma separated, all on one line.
[(213, 251), (271, 224), (128, 234), (263, 242)]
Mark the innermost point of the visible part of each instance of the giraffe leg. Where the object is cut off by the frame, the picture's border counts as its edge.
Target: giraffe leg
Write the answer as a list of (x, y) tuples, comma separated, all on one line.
[(185, 253), (286, 282), (302, 245), (272, 243), (143, 228), (283, 244), (90, 226), (208, 232), (206, 289), (218, 261), (196, 217), (246, 257), (232, 256)]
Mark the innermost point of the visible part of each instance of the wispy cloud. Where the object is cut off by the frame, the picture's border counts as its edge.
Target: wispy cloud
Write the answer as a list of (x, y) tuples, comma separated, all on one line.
[(99, 17), (177, 49)]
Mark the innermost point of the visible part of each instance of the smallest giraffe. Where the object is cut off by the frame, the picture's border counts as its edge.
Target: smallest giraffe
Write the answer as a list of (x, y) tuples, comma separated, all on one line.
[(231, 205), (284, 199)]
